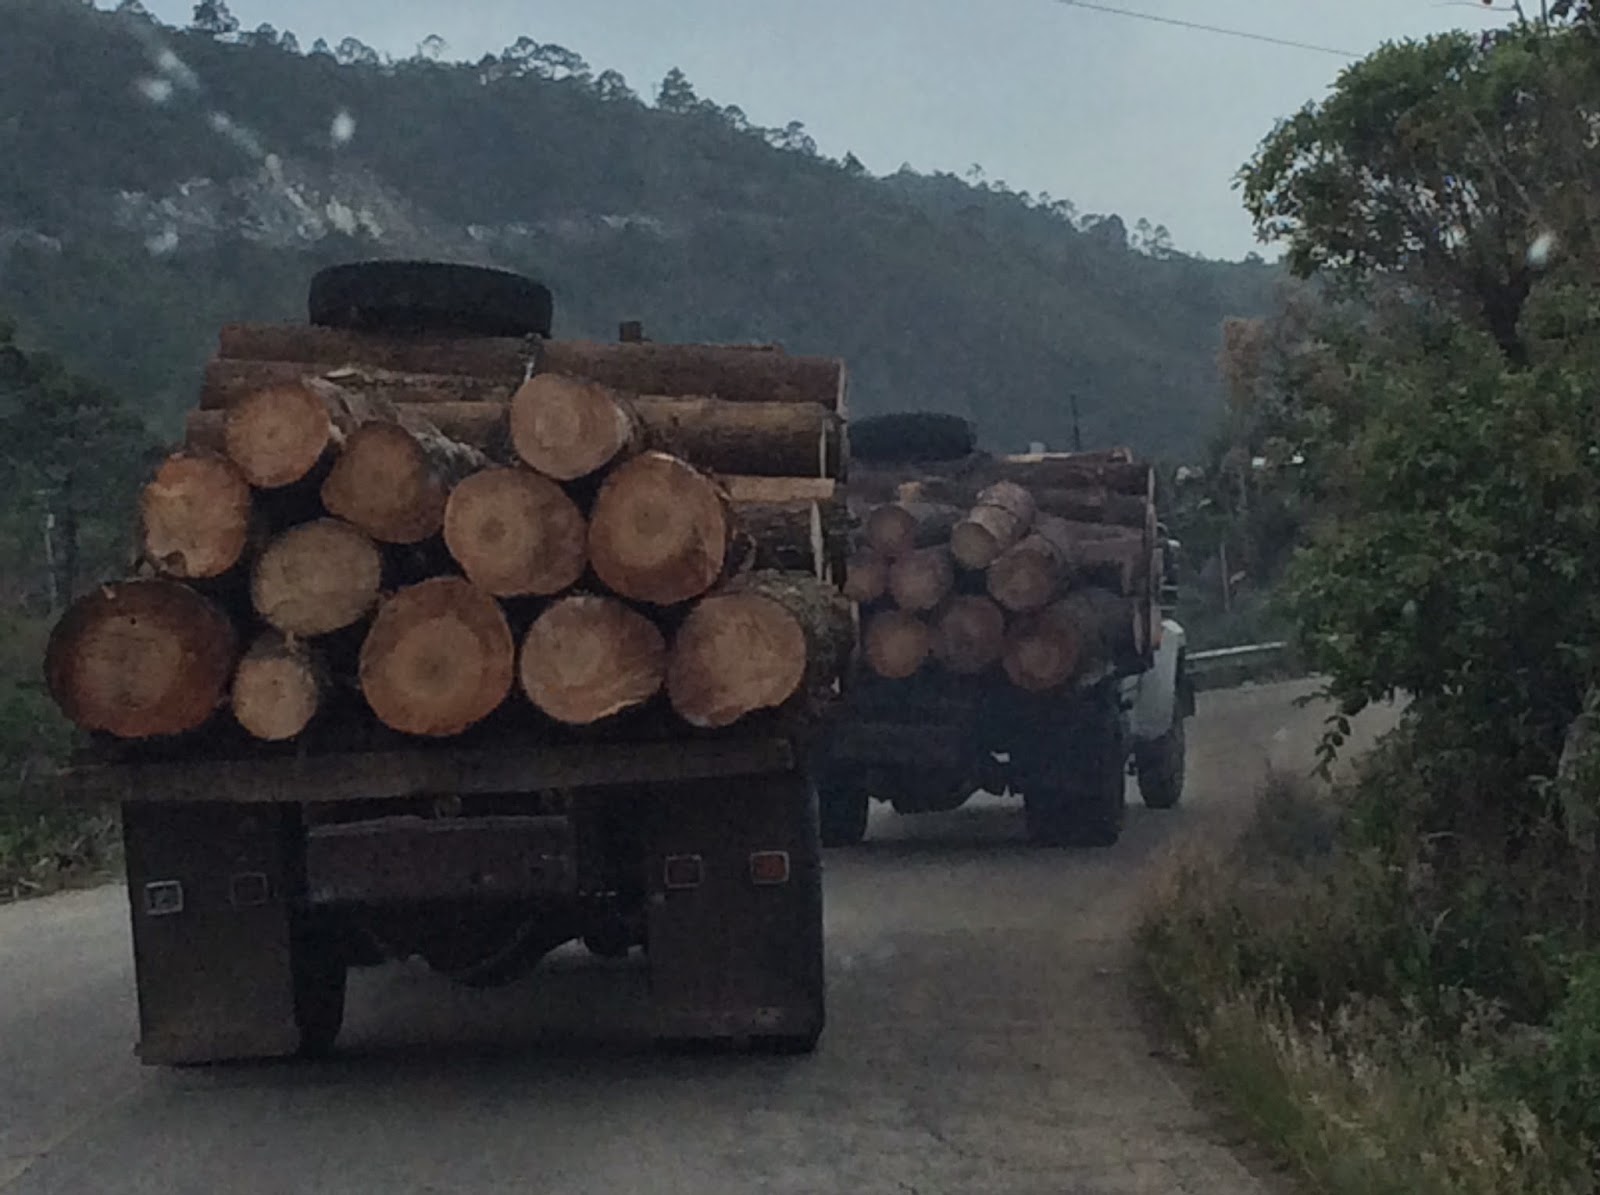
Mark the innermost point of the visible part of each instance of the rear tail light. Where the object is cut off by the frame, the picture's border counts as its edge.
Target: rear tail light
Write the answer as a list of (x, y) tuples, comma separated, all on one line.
[(684, 871), (769, 867)]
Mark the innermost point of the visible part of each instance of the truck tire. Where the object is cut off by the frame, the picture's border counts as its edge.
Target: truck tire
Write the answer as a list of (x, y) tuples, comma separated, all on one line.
[(1080, 799), (1160, 765), (843, 808), (429, 296), (319, 989)]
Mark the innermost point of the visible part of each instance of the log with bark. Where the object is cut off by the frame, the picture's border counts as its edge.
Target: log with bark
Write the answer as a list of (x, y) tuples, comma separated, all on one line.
[(504, 358), (998, 519), (568, 428), (317, 578), (1085, 631), (393, 481), (1086, 505), (588, 658), (733, 374), (1032, 572), (277, 688), (895, 643), (866, 576), (772, 439), (921, 580), (659, 531), (480, 425), (438, 659), (969, 634), (196, 516), (794, 536), (141, 659), (516, 533), (1077, 471), (900, 527), (765, 641), (226, 383)]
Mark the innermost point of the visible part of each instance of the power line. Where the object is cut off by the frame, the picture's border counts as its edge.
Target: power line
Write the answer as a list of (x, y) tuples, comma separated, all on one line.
[(1196, 25)]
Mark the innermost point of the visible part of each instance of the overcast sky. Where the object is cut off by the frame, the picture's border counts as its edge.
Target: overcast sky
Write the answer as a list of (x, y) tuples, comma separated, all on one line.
[(1114, 113)]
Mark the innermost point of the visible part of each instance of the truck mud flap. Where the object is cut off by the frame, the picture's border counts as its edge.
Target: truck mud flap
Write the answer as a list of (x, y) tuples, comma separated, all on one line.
[(735, 911), (210, 889)]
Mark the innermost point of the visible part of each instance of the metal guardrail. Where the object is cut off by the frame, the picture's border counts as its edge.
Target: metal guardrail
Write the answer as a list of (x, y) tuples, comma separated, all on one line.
[(1220, 667)]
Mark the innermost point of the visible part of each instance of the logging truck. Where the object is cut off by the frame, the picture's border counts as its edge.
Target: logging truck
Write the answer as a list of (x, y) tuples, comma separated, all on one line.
[(450, 640), (1015, 636)]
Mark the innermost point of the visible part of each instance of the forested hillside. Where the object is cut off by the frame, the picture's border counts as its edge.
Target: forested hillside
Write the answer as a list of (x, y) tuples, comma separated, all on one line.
[(157, 182)]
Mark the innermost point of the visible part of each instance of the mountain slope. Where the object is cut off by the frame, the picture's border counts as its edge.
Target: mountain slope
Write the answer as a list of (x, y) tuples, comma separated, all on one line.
[(154, 183)]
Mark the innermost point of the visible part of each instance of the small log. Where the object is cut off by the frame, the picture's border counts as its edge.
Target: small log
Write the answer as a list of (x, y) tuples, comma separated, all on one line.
[(801, 536), (317, 578), (196, 516), (1031, 573), (733, 374), (227, 382), (921, 580), (277, 688), (1078, 471), (866, 576), (515, 533), (902, 527), (393, 482), (775, 439), (439, 658), (969, 634), (588, 658), (568, 428), (895, 643), (997, 520), (503, 358), (659, 531), (282, 434), (764, 641), (780, 489), (480, 425), (1085, 631), (140, 660)]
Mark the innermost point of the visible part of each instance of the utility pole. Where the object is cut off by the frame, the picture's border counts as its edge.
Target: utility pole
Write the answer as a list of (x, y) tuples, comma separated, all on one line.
[(1077, 431)]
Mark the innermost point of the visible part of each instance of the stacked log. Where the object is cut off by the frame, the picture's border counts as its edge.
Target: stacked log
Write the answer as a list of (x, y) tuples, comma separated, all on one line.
[(419, 534), (1038, 570)]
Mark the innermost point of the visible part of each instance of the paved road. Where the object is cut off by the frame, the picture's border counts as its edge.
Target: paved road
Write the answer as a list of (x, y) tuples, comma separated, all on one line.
[(982, 1038)]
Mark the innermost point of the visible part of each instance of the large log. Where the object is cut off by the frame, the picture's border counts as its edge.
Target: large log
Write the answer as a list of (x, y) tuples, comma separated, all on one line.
[(776, 439), (393, 481), (969, 634), (439, 658), (1029, 574), (516, 533), (503, 358), (921, 580), (1085, 631), (766, 640), (901, 527), (659, 531), (736, 375), (480, 425), (140, 659), (316, 578), (282, 434), (895, 643), (998, 519), (277, 688), (195, 516), (588, 658), (568, 428), (866, 577), (228, 382)]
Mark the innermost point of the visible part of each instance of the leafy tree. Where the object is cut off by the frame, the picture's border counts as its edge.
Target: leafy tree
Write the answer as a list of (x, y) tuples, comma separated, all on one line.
[(322, 48), (214, 18), (677, 94), (613, 88), (354, 52)]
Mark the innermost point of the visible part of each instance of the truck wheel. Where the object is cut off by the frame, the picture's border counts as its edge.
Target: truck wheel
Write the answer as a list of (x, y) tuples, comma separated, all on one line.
[(319, 988), (1080, 799), (1160, 764), (429, 296), (842, 810)]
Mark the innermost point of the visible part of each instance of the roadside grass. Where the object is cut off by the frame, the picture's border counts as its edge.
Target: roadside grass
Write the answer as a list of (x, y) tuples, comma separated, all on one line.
[(45, 844), (1352, 1011)]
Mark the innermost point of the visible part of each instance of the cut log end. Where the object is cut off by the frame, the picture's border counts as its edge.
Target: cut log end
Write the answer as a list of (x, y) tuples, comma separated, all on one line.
[(896, 643), (140, 660), (195, 516), (384, 484), (588, 658), (735, 654), (659, 531), (866, 577), (438, 659), (920, 580), (515, 533), (1043, 651), (969, 634), (568, 428), (317, 578), (279, 435), (276, 689)]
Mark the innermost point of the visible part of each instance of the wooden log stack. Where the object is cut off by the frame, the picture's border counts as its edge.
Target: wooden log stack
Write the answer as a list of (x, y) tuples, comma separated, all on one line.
[(1040, 570), (419, 535)]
